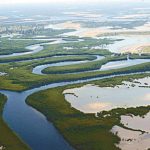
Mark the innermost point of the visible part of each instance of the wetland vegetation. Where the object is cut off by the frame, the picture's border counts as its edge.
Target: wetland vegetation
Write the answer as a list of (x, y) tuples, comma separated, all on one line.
[(79, 128), (43, 55)]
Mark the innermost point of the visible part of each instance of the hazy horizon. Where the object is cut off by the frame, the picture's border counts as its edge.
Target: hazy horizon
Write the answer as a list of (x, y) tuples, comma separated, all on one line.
[(64, 1)]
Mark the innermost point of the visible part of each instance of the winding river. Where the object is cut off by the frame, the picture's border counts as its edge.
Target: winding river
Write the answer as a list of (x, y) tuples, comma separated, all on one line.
[(108, 66), (38, 69), (30, 124), (37, 47)]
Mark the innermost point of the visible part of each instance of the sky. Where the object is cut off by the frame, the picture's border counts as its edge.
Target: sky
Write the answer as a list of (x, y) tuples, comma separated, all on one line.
[(37, 1), (55, 1)]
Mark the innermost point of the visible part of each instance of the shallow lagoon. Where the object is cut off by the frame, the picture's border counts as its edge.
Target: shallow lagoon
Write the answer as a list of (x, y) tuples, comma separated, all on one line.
[(92, 99), (137, 136)]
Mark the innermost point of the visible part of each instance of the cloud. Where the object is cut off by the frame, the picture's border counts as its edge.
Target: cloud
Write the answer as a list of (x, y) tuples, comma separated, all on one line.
[(97, 106), (147, 97)]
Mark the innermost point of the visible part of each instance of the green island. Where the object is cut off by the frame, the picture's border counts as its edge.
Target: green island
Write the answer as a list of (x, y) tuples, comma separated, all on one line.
[(20, 75)]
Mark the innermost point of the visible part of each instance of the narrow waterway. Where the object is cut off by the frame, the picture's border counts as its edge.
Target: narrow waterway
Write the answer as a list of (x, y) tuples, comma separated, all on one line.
[(38, 69), (108, 66), (35, 48)]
